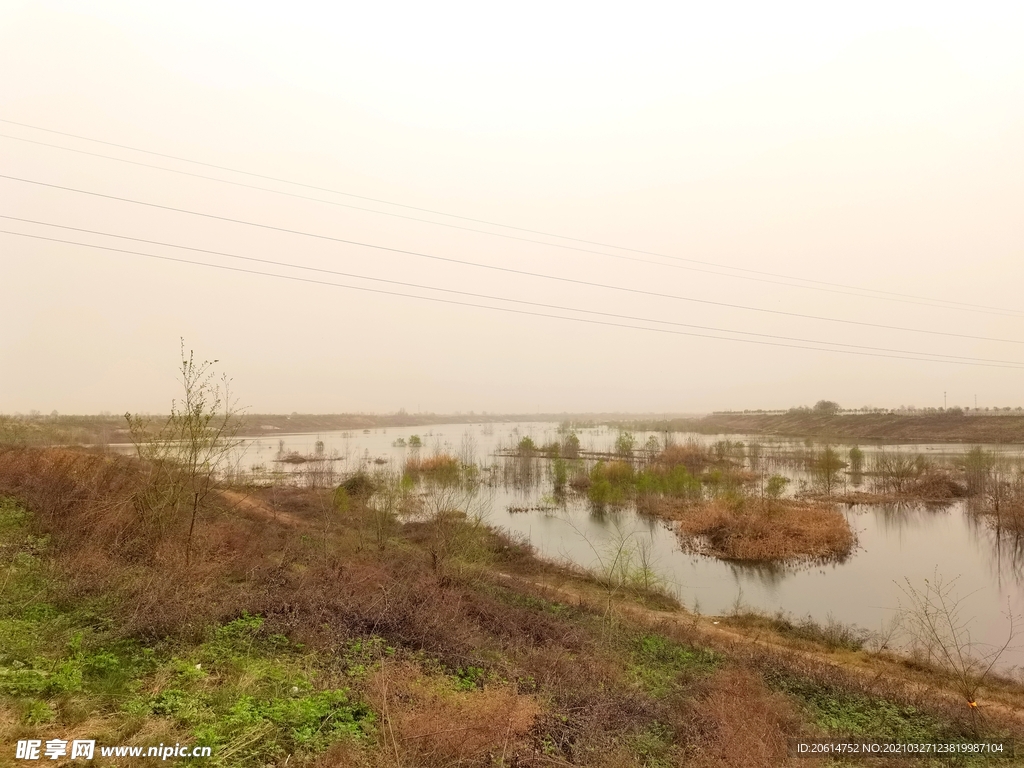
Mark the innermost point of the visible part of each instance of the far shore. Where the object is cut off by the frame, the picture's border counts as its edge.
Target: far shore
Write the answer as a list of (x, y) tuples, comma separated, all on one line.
[(909, 427), (953, 426)]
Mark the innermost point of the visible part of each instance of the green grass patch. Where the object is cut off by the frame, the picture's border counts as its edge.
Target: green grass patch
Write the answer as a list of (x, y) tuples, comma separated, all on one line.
[(840, 712), (48, 651), (654, 746), (659, 665), (845, 712), (528, 601), (252, 695)]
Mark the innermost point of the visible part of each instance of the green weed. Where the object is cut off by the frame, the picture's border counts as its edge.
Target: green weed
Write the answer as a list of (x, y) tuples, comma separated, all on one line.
[(248, 693), (654, 746), (844, 712), (263, 703), (659, 665)]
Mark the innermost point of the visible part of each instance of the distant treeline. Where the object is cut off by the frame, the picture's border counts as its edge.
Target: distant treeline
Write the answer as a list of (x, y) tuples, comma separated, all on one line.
[(903, 410)]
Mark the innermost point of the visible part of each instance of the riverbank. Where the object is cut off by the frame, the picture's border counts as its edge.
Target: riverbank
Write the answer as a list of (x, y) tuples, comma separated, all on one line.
[(298, 626), (850, 427)]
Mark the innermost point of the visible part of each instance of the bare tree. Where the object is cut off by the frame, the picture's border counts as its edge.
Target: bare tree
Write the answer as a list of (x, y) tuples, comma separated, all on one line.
[(188, 454), (896, 471), (934, 618)]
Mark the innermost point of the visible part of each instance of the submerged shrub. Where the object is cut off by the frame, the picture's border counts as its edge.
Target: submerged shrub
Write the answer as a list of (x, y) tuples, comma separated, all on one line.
[(571, 446), (559, 474), (624, 444), (692, 456), (856, 460), (826, 468), (359, 485), (775, 486), (978, 464)]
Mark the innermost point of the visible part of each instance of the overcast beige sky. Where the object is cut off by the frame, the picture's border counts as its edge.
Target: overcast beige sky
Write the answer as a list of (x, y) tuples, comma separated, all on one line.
[(878, 145)]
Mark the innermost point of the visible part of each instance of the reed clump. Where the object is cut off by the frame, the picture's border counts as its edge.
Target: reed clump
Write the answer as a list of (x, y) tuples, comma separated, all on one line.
[(831, 633), (752, 530), (438, 466), (687, 472), (689, 455)]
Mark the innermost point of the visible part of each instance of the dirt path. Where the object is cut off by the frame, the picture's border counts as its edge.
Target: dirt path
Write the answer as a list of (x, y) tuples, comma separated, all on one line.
[(235, 500)]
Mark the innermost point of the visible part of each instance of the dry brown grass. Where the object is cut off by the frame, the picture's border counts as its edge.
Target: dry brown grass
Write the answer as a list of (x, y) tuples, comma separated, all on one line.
[(937, 486), (692, 456), (439, 464), (427, 721), (748, 735), (762, 531), (108, 540)]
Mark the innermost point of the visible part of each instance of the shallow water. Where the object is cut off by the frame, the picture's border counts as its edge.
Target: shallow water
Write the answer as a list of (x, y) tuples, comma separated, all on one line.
[(896, 543)]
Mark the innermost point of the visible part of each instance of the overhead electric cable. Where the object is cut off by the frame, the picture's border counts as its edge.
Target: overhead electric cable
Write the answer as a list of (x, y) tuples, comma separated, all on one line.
[(999, 313), (178, 158), (508, 270), (517, 311), (473, 294), (924, 302)]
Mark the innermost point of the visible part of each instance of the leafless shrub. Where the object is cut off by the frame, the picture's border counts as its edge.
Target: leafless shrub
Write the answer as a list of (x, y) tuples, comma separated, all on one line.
[(896, 471), (187, 454), (384, 506), (938, 629)]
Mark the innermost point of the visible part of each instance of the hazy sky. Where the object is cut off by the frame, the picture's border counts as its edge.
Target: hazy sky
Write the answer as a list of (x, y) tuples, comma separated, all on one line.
[(873, 146)]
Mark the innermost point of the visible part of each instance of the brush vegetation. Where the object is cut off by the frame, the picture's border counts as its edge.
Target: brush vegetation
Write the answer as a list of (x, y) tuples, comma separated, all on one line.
[(293, 640), (719, 508)]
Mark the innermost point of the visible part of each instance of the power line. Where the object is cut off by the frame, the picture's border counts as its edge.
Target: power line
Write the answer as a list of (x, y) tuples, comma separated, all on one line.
[(511, 310), (894, 295), (1001, 313), (289, 265), (508, 270), (926, 302)]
